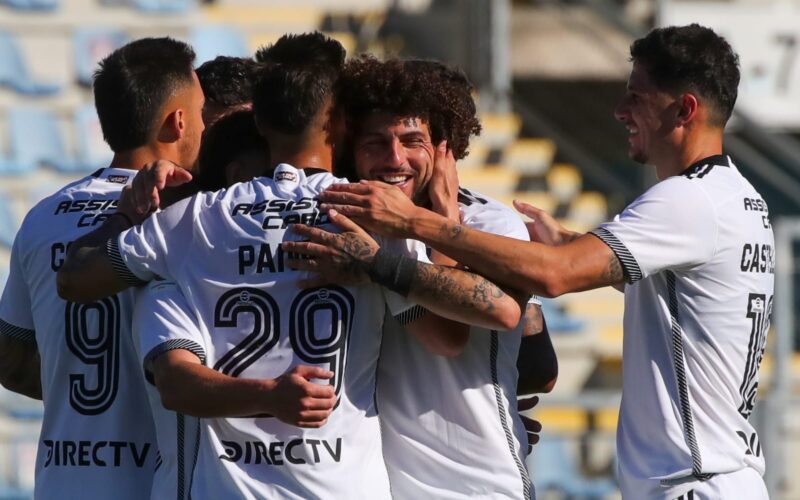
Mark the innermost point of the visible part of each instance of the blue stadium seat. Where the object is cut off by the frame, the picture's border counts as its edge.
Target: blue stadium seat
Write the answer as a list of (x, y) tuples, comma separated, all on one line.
[(8, 223), (212, 41), (92, 150), (14, 72), (41, 5), (36, 139), (558, 321), (163, 6), (554, 470), (90, 46)]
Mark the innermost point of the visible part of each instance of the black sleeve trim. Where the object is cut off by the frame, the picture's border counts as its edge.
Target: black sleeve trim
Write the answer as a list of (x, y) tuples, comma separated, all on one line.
[(171, 345), (410, 315), (117, 262), (632, 270), (17, 333)]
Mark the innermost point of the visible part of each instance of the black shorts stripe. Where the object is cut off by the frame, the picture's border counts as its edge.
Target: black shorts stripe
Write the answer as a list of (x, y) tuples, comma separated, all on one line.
[(501, 410), (17, 332), (629, 264), (118, 263)]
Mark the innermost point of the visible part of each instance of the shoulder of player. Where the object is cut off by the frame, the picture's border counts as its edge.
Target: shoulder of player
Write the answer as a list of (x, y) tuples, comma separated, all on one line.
[(485, 213)]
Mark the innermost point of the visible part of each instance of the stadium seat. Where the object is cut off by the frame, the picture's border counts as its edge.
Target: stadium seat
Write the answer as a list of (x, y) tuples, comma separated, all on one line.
[(163, 6), (36, 5), (501, 129), (494, 180), (564, 182), (8, 223), (90, 46), (530, 156), (36, 139), (92, 150), (217, 40), (14, 71), (559, 321), (589, 208), (554, 470)]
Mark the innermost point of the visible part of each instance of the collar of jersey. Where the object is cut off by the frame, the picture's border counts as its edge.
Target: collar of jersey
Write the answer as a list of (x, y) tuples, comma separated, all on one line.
[(308, 171), (716, 160), (102, 173)]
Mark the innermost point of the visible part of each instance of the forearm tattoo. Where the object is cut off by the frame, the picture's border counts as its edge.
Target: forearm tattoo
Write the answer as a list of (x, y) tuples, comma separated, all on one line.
[(452, 230), (439, 283), (614, 272), (534, 320)]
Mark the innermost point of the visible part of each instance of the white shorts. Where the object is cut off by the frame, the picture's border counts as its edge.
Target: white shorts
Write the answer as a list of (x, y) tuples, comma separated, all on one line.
[(746, 483)]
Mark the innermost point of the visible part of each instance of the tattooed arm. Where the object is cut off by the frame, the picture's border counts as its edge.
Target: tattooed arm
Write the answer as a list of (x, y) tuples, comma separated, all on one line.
[(446, 291)]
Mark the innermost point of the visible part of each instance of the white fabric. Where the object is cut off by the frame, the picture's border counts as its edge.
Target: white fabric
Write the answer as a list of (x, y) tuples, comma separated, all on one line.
[(161, 322), (97, 438), (695, 327), (223, 250), (444, 420)]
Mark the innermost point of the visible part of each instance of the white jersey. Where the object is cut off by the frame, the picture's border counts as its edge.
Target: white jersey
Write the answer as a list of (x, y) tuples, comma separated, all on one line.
[(698, 248), (162, 322), (462, 435), (224, 251), (97, 438)]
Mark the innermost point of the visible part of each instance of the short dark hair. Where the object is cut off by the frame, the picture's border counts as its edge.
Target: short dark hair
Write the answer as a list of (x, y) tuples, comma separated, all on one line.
[(133, 83), (694, 59), (295, 77), (227, 81), (223, 142), (439, 94)]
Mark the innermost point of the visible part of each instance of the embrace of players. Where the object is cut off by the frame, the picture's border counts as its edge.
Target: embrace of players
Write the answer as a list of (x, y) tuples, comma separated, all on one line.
[(278, 289)]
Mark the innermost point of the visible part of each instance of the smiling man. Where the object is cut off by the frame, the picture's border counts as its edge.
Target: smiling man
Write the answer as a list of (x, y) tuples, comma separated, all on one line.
[(696, 306)]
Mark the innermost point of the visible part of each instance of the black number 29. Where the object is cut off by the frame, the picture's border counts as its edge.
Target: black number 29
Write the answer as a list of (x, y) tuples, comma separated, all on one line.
[(305, 313)]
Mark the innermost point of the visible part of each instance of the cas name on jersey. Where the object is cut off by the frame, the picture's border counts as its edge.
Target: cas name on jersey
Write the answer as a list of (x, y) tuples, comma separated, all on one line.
[(757, 258)]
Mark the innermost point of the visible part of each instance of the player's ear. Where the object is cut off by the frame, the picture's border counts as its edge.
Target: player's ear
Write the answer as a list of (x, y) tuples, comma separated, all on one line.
[(687, 109), (173, 127)]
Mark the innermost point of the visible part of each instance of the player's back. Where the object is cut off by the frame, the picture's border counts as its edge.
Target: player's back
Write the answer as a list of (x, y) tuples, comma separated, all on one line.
[(468, 408), (97, 439), (224, 251)]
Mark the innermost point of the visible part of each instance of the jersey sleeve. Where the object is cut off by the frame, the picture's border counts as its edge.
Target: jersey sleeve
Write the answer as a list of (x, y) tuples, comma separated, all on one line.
[(162, 322), (671, 226), (150, 249), (16, 318)]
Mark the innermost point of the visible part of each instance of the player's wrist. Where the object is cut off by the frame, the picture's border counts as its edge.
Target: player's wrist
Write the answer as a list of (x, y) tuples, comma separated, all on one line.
[(395, 272)]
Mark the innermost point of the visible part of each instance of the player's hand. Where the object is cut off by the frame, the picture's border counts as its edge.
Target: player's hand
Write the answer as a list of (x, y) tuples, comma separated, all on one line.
[(150, 181), (348, 252), (443, 186), (298, 401), (532, 427), (544, 228), (376, 206)]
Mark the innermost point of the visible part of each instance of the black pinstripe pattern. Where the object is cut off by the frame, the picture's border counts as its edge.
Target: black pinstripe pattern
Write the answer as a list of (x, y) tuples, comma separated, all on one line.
[(198, 431), (171, 345), (501, 410), (112, 250), (17, 333), (632, 270), (680, 373), (181, 458), (410, 315)]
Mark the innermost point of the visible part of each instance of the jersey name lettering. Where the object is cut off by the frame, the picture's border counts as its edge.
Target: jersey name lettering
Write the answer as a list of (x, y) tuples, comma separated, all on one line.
[(95, 453), (758, 258), (263, 259), (295, 451)]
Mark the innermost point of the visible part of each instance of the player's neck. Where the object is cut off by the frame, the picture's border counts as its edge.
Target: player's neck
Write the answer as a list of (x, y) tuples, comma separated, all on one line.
[(695, 147), (308, 154), (135, 159)]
